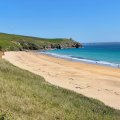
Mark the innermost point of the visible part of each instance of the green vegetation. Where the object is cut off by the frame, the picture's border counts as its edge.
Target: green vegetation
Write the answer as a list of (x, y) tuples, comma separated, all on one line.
[(18, 42), (26, 96)]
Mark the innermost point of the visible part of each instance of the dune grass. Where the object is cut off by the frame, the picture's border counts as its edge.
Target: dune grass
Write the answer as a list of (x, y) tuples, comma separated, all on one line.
[(26, 96)]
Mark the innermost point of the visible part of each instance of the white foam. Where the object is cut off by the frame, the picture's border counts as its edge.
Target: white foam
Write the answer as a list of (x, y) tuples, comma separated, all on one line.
[(82, 60)]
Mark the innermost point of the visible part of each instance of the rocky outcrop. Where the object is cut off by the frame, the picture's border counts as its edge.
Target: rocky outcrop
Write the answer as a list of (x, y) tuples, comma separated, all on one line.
[(77, 45), (19, 42), (53, 44)]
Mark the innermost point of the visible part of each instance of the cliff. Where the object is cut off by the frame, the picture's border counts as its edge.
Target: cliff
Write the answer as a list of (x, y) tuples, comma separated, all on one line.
[(19, 42)]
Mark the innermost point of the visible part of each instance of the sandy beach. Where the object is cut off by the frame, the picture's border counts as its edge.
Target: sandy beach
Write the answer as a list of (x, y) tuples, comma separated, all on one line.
[(99, 82)]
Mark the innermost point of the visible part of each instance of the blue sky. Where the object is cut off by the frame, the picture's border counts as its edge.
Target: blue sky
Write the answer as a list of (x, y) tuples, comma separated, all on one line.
[(83, 20)]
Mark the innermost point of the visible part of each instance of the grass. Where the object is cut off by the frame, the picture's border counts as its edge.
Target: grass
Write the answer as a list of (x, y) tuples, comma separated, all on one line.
[(26, 96), (18, 42)]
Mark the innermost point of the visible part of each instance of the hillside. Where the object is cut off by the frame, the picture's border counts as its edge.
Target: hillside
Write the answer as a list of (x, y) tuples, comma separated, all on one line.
[(19, 42), (26, 96)]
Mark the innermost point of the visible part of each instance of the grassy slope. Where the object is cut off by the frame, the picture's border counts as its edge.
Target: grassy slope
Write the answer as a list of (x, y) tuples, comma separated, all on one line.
[(26, 96), (10, 41)]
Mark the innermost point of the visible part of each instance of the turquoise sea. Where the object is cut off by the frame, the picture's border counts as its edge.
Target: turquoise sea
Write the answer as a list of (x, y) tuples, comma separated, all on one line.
[(96, 53)]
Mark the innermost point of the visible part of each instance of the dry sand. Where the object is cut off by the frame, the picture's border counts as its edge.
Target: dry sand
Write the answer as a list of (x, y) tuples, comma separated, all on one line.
[(100, 82)]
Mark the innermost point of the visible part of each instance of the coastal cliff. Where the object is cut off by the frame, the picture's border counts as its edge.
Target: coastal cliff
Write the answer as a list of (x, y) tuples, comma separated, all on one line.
[(11, 42)]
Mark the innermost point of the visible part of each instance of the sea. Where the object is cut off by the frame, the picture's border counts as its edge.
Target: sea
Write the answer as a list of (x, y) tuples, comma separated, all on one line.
[(107, 54)]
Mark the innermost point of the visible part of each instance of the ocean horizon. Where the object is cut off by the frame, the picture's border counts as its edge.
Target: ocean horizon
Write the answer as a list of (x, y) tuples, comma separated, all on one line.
[(96, 53)]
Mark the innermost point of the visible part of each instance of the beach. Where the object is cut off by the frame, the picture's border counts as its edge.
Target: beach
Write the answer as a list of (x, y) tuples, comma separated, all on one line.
[(95, 81)]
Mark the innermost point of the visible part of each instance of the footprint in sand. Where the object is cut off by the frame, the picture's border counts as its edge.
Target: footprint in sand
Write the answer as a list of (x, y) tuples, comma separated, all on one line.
[(56, 75), (108, 90), (49, 74), (80, 87), (111, 91), (71, 79), (116, 93)]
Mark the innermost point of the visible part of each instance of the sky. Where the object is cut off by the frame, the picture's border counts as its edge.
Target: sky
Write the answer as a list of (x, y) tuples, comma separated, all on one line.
[(83, 20)]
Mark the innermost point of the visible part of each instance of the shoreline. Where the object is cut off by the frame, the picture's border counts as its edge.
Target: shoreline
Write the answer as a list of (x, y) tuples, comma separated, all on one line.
[(81, 60), (91, 80)]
